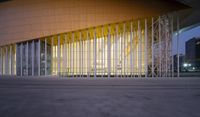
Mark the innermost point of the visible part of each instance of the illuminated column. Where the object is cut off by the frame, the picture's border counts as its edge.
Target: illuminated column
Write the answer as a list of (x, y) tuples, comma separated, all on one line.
[(58, 55), (109, 56), (88, 51), (131, 50), (65, 55), (159, 43), (27, 58), (124, 40), (73, 55), (152, 47), (39, 57), (102, 57), (121, 52), (45, 56), (79, 53), (95, 54), (133, 54), (81, 57), (146, 49), (116, 51), (139, 51), (33, 57), (82, 60)]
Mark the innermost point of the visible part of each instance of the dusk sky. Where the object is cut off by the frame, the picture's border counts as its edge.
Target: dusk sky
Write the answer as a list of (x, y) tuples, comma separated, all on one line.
[(185, 36)]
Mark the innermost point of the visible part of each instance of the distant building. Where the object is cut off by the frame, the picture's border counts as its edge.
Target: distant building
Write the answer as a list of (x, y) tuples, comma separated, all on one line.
[(193, 53)]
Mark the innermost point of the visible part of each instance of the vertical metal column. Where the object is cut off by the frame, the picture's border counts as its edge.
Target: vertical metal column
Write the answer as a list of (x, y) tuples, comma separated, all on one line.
[(178, 61), (65, 55), (52, 57), (73, 55), (146, 49), (172, 32), (139, 51), (58, 55), (39, 57), (80, 55), (88, 52), (27, 58), (6, 61), (11, 61), (102, 46), (131, 50), (95, 54), (109, 62), (33, 57), (21, 57), (116, 51), (82, 60), (152, 47), (159, 42), (124, 48), (121, 52), (45, 55)]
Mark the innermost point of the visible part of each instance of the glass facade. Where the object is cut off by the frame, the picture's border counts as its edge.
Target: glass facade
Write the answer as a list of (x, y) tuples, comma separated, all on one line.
[(129, 48)]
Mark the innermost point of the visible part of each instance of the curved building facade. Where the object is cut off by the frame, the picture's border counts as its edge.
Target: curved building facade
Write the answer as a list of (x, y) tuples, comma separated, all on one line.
[(87, 38)]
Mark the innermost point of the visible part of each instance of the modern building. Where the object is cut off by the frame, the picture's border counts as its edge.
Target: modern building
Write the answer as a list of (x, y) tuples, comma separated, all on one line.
[(193, 53), (87, 37)]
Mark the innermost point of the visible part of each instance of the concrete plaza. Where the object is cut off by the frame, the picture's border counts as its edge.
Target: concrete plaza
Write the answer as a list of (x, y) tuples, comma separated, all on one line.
[(101, 97)]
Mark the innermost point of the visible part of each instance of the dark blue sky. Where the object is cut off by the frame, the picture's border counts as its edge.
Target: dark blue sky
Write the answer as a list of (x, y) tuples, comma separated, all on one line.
[(184, 36)]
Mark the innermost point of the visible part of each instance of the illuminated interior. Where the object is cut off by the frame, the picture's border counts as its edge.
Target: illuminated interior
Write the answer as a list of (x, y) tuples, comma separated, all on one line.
[(121, 49)]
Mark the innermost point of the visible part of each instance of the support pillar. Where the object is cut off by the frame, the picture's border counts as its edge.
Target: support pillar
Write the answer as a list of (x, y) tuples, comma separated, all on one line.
[(159, 43), (116, 51), (45, 56), (139, 51), (33, 57), (27, 58), (146, 49), (131, 50), (95, 54), (109, 53), (172, 32), (88, 51), (58, 55), (152, 47), (11, 61), (178, 61), (21, 57), (39, 57)]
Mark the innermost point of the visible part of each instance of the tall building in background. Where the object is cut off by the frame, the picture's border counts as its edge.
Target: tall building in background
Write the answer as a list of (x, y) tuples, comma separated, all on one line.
[(193, 53), (87, 37)]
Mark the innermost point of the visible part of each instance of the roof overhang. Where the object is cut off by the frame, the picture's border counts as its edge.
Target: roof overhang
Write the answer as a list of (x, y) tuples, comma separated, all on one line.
[(23, 20)]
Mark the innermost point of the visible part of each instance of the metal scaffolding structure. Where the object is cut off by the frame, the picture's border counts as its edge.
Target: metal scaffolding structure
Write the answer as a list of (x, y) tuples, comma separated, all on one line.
[(139, 48)]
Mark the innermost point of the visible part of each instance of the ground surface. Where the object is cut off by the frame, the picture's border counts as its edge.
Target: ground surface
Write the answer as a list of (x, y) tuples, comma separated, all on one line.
[(52, 97)]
